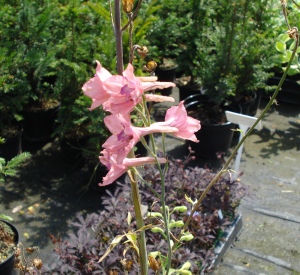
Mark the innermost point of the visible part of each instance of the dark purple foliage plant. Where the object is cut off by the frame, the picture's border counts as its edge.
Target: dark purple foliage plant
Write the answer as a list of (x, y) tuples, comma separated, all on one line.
[(94, 233)]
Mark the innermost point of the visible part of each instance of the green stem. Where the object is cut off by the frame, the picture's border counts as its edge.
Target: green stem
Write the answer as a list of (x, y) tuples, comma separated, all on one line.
[(163, 192), (166, 220), (140, 223), (232, 156), (165, 212)]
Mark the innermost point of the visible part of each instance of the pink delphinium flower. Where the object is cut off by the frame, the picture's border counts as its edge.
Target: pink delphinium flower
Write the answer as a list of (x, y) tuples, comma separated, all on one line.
[(125, 135), (126, 91), (187, 126), (120, 94), (94, 88), (116, 170)]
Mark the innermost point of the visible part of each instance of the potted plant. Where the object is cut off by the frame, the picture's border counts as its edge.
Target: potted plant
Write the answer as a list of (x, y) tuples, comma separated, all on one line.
[(229, 60), (9, 238), (73, 60), (231, 52), (194, 45), (27, 37), (164, 48), (9, 235), (284, 46), (11, 106), (253, 51)]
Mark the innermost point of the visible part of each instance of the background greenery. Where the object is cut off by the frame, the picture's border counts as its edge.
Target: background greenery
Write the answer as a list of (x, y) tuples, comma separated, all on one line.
[(48, 48)]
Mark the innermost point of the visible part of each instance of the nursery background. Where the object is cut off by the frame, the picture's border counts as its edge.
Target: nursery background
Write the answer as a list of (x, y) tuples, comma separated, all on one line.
[(227, 50)]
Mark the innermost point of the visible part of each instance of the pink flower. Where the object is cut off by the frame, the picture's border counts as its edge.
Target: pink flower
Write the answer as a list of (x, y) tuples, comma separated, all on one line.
[(116, 170), (125, 92), (125, 135), (119, 94), (187, 126), (94, 88)]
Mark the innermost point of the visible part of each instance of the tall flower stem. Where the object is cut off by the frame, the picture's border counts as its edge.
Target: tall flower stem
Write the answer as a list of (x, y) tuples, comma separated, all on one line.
[(294, 33), (162, 172), (135, 194), (118, 36), (165, 218), (165, 212)]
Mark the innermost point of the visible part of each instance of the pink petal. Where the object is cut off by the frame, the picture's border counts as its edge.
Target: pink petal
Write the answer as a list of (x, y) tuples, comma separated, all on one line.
[(148, 86), (147, 78), (94, 88), (119, 169), (177, 117), (159, 98), (101, 72), (117, 123)]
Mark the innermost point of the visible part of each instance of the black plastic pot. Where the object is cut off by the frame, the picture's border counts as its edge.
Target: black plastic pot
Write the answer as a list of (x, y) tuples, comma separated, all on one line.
[(7, 266), (254, 107), (214, 138), (186, 91), (246, 104), (166, 75), (40, 125), (289, 92)]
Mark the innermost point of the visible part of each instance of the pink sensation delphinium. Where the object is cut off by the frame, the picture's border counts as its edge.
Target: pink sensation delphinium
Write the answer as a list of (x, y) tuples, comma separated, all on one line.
[(125, 135), (119, 95)]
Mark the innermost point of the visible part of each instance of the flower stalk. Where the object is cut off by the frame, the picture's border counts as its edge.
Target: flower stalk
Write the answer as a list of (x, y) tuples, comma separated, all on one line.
[(118, 37), (293, 32), (135, 194)]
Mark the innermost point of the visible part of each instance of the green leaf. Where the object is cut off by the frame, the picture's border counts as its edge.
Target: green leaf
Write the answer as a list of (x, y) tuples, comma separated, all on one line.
[(5, 217), (280, 46), (114, 242), (178, 271), (284, 37), (289, 54)]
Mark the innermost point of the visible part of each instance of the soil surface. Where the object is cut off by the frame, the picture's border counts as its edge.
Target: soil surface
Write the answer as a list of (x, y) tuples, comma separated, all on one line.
[(7, 241)]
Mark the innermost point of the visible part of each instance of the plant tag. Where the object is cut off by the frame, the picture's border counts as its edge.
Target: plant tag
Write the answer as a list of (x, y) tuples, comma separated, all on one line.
[(242, 120), (220, 214), (244, 123)]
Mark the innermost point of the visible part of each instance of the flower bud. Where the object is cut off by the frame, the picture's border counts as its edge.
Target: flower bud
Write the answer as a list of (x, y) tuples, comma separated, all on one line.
[(154, 264), (157, 230), (181, 209), (187, 237), (155, 214), (143, 51), (127, 5), (186, 266), (185, 272), (177, 224), (151, 65), (37, 263)]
